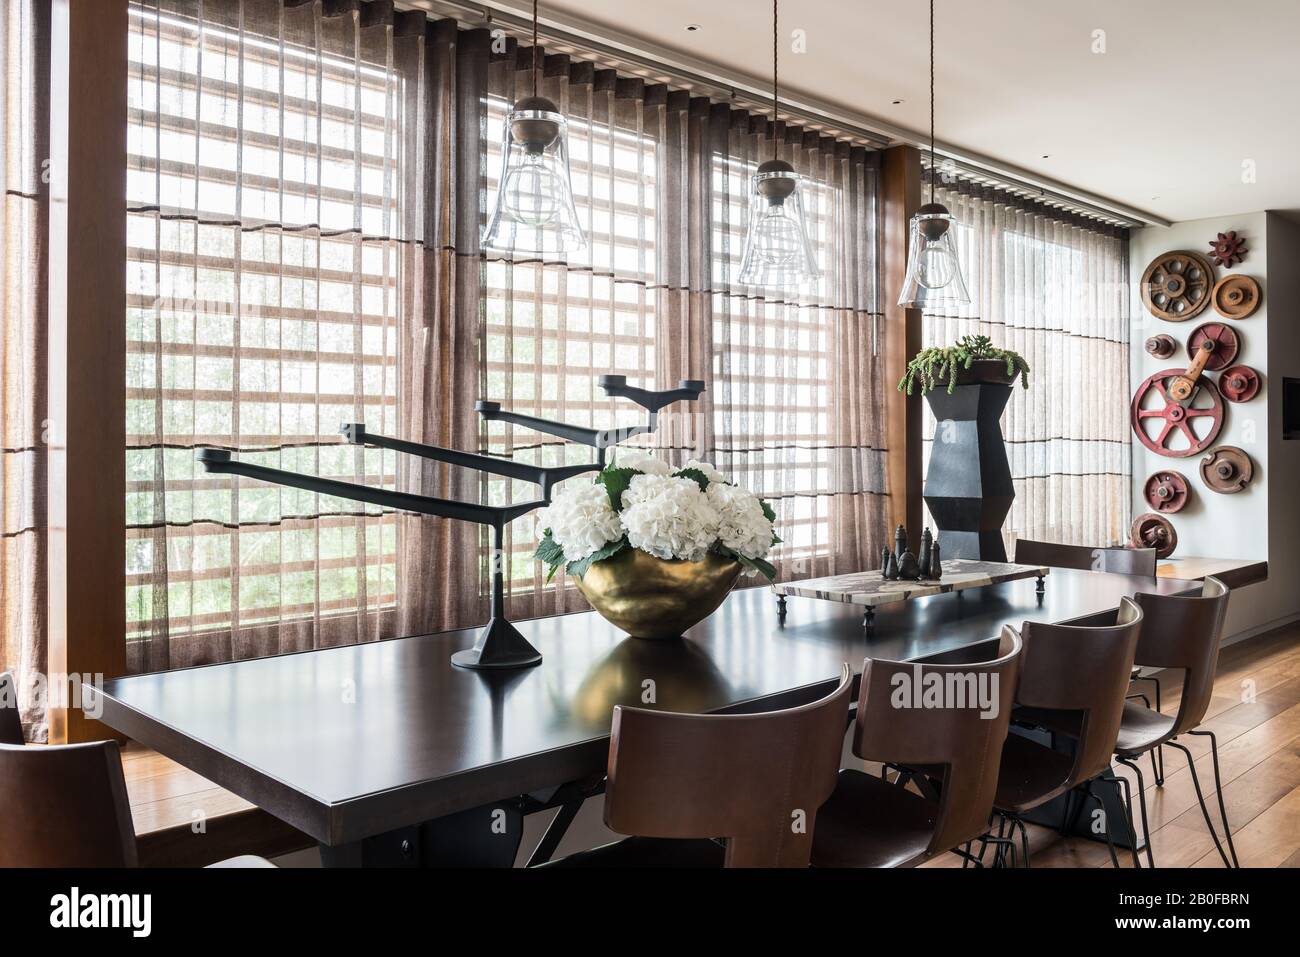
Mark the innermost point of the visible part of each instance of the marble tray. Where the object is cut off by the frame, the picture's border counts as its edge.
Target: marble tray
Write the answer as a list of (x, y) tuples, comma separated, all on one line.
[(870, 590)]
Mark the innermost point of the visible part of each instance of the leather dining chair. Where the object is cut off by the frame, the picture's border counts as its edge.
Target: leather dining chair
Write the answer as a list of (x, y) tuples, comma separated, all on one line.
[(11, 725), (1117, 561), (66, 806), (869, 822), (1073, 678), (1180, 631), (733, 790)]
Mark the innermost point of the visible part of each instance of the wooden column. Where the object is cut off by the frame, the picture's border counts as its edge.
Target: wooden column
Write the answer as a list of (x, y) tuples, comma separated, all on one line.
[(901, 179), (87, 376)]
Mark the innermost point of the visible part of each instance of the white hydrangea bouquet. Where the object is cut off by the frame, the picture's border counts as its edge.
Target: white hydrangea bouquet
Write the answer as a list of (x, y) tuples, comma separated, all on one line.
[(641, 502)]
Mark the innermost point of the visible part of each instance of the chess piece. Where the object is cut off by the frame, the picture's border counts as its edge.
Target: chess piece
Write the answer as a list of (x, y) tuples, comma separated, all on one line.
[(884, 562), (923, 557), (908, 569), (900, 543), (891, 568), (936, 567)]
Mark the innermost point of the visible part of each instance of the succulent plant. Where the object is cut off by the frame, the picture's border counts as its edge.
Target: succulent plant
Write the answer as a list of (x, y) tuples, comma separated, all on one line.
[(932, 366)]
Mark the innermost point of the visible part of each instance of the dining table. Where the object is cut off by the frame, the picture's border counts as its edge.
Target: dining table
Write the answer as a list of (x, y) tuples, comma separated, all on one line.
[(386, 754)]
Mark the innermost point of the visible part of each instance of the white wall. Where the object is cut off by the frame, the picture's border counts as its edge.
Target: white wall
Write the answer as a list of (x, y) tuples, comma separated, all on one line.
[(1252, 523)]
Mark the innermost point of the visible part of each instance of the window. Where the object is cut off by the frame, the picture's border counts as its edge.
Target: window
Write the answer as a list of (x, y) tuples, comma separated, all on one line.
[(262, 313)]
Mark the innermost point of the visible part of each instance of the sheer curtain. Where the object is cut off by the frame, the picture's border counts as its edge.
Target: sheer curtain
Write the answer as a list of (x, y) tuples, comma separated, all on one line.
[(24, 146), (1052, 286), (308, 184)]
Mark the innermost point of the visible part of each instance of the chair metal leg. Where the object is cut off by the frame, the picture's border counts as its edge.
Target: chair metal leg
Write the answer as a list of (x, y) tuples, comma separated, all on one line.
[(1024, 837), (1158, 772), (1200, 797), (1218, 787), (1127, 798), (1142, 805), (1110, 843)]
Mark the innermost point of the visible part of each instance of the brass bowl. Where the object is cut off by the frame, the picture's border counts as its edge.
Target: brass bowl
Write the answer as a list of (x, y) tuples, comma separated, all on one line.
[(652, 597)]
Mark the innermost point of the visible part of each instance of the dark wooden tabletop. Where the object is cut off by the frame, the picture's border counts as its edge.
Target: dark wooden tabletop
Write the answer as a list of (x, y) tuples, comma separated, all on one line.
[(345, 743)]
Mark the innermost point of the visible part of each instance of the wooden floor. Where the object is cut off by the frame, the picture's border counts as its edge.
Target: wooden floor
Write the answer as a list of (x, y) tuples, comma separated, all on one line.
[(1255, 713)]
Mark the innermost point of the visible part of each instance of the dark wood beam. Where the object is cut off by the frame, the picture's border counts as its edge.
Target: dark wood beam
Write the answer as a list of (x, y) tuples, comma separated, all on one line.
[(87, 376), (901, 184)]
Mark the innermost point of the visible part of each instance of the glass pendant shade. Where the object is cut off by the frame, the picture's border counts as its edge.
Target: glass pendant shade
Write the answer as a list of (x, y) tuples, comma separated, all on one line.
[(534, 209), (933, 269), (777, 252)]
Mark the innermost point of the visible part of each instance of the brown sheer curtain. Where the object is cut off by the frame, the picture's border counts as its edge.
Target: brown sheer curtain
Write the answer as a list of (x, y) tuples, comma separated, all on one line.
[(308, 186), (1051, 285), (24, 145)]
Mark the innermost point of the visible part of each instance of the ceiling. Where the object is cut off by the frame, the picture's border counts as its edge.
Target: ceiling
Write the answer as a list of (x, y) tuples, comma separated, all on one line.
[(1163, 120)]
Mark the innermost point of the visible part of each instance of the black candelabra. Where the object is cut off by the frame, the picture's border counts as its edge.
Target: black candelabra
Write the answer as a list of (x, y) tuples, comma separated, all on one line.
[(499, 644)]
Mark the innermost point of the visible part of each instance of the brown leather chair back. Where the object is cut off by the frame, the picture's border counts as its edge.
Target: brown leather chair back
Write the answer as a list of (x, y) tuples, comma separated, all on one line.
[(756, 780), (11, 724), (1183, 632), (1086, 670), (64, 806), (966, 743), (1120, 561)]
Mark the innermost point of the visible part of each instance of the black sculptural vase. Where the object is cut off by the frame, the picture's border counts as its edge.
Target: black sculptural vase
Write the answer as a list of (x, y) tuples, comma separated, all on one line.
[(968, 486)]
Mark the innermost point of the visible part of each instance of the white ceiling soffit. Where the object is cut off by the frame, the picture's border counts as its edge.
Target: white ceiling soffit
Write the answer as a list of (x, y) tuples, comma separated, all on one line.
[(1153, 111)]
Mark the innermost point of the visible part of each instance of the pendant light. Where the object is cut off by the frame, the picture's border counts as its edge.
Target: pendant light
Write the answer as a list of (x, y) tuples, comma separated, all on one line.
[(534, 209), (933, 269), (777, 251)]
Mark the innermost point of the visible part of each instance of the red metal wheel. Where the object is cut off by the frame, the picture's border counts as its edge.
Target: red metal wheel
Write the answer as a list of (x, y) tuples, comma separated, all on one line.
[(1166, 491), (1154, 531), (1169, 427), (1226, 344), (1239, 383)]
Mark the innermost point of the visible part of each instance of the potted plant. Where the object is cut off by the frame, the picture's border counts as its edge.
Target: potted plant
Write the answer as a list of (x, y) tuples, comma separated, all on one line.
[(653, 548), (971, 359), (968, 486)]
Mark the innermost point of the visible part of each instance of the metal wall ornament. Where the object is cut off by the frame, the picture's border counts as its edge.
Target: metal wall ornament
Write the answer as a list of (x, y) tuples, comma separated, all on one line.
[(1227, 470), (1161, 346), (934, 276), (1153, 530), (777, 252), (1167, 491), (534, 210), (1228, 249), (1235, 297), (1239, 383), (1176, 285), (1173, 428), (1224, 344)]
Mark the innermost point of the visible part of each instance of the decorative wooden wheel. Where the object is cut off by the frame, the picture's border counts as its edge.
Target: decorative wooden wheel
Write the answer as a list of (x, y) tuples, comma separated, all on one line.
[(1235, 297), (1226, 344), (1166, 491), (1154, 531), (1239, 384), (1177, 285), (1169, 427)]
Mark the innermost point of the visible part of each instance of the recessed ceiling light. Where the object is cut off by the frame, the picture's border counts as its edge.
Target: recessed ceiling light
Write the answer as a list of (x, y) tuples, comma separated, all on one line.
[(897, 102), (692, 27), (1047, 156)]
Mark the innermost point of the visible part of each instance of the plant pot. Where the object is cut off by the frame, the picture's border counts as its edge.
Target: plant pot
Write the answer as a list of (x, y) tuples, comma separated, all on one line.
[(993, 371), (968, 487), (652, 597)]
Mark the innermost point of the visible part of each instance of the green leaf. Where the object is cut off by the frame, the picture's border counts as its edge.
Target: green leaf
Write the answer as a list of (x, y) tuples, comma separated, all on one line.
[(759, 565), (695, 475), (549, 550), (768, 512), (579, 568), (616, 481)]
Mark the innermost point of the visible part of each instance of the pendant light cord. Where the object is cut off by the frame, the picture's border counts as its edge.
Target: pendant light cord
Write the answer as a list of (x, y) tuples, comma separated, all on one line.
[(775, 79), (535, 50), (932, 169)]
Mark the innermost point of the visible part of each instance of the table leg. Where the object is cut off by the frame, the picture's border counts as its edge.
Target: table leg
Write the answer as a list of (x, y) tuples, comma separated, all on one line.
[(1039, 586), (869, 621), (780, 607)]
